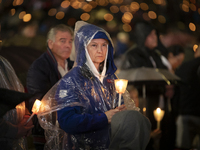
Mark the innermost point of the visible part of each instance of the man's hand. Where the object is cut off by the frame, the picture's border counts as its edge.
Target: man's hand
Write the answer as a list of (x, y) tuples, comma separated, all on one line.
[(23, 128)]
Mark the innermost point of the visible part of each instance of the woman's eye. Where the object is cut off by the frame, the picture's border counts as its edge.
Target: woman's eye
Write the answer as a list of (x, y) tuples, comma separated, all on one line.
[(94, 45)]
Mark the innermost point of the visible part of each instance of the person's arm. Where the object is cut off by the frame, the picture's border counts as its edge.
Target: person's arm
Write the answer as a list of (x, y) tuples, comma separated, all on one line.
[(72, 121), (9, 130)]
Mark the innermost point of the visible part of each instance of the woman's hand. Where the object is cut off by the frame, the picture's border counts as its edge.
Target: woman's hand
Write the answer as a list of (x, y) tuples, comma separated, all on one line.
[(122, 107), (110, 113)]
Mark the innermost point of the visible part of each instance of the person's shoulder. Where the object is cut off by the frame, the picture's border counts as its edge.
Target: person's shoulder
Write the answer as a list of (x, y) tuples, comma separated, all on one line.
[(41, 61)]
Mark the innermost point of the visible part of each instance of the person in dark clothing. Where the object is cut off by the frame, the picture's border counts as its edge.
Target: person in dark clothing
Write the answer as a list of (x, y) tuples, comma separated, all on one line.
[(188, 120), (49, 68), (129, 130), (144, 54)]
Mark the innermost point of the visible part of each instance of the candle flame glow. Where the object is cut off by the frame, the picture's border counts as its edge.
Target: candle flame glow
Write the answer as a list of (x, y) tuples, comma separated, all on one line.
[(120, 85), (158, 110), (36, 106)]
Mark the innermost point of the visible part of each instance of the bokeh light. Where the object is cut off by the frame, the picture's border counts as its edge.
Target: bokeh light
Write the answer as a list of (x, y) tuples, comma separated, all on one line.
[(52, 12), (134, 6), (27, 17), (87, 7), (102, 2), (17, 2), (126, 27), (21, 14), (65, 4), (186, 2), (185, 7), (12, 12), (75, 4), (111, 24), (152, 15), (160, 2), (144, 6), (100, 14), (124, 8), (193, 7), (114, 9), (108, 17), (161, 19), (195, 47), (60, 15), (192, 26), (93, 4), (146, 16), (85, 16)]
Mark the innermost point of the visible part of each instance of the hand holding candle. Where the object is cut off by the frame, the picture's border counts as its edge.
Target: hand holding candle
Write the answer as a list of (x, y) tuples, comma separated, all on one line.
[(35, 109), (120, 85), (158, 114)]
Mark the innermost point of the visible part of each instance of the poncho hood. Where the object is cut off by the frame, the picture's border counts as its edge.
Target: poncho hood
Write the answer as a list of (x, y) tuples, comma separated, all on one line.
[(84, 33)]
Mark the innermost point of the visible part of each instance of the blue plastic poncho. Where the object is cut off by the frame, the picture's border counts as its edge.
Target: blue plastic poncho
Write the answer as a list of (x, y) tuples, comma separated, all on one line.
[(80, 99)]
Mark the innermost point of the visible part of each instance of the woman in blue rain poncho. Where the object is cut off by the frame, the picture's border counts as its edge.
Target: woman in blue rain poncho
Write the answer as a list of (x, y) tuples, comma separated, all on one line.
[(85, 97)]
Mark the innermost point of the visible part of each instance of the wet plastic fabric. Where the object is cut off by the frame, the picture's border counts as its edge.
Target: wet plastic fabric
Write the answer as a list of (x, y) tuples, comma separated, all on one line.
[(9, 80), (81, 89)]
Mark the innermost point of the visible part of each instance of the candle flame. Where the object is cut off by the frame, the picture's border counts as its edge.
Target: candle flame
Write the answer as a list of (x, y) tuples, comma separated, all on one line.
[(120, 85), (158, 110), (36, 106), (158, 114)]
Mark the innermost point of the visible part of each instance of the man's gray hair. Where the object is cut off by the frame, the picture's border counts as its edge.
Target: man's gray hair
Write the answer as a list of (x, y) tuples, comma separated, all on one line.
[(60, 27)]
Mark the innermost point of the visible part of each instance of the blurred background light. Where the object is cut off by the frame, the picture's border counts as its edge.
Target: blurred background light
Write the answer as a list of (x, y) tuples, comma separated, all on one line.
[(21, 14), (195, 47), (65, 4), (52, 12), (85, 16), (144, 6), (192, 26), (60, 15), (27, 17), (114, 9), (127, 28), (108, 17)]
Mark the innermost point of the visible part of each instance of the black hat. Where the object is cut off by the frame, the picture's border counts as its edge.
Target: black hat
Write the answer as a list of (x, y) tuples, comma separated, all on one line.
[(9, 99)]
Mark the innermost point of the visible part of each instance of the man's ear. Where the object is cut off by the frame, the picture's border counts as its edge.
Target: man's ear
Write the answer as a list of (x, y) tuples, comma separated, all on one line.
[(50, 44)]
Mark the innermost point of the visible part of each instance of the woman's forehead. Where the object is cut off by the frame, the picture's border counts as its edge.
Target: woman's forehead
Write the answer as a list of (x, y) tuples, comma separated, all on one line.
[(99, 41)]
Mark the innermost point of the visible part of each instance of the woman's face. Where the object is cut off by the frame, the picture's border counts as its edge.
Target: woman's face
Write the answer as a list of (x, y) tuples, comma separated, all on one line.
[(97, 50)]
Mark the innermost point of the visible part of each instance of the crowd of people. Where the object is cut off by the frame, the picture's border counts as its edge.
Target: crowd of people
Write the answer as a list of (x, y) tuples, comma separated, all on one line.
[(79, 102)]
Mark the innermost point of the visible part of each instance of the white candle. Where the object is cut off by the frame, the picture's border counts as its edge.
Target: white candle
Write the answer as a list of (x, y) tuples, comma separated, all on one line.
[(35, 109), (120, 85), (158, 114)]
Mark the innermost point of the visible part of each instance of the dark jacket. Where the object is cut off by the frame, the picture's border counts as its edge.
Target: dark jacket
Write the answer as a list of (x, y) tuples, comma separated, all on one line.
[(43, 74), (189, 101), (139, 56)]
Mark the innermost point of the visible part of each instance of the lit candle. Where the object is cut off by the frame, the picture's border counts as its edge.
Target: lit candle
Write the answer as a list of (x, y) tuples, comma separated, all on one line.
[(120, 85), (158, 115), (35, 109)]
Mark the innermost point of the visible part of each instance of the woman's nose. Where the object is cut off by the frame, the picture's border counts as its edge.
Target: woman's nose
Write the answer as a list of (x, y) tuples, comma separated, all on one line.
[(99, 49)]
